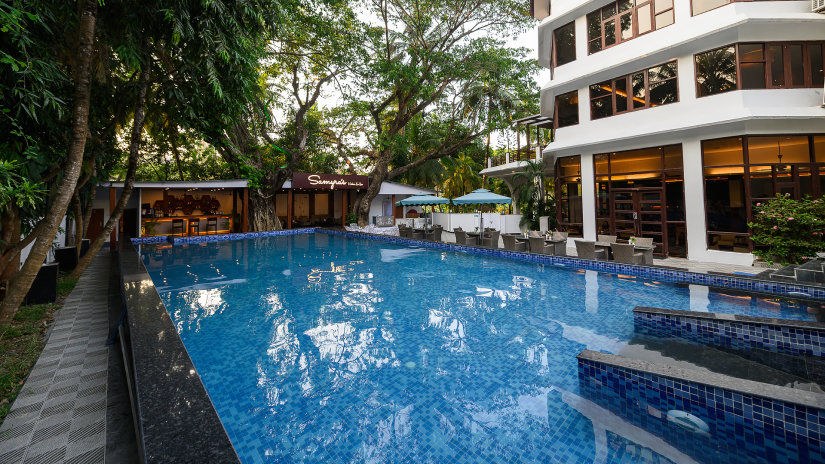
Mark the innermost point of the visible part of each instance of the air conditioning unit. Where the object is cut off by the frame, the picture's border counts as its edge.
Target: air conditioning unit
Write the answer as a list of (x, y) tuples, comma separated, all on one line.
[(818, 6)]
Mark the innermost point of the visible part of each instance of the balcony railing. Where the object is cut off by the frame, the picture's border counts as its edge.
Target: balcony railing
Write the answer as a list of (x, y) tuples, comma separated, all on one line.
[(522, 154)]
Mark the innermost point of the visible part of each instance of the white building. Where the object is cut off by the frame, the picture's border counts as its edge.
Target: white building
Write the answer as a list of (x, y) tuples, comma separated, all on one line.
[(674, 117)]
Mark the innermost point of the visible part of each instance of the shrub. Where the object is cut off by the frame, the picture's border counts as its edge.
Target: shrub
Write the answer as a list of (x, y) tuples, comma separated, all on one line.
[(787, 230)]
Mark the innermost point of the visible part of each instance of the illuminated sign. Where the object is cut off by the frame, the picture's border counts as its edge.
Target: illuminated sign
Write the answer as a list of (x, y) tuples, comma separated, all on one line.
[(302, 180)]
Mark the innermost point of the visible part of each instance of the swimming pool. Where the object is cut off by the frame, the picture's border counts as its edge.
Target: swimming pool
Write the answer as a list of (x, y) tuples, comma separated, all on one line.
[(324, 348)]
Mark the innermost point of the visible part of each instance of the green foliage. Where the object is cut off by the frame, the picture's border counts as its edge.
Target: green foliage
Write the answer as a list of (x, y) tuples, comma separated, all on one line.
[(16, 190), (788, 230), (352, 218), (461, 177), (531, 188)]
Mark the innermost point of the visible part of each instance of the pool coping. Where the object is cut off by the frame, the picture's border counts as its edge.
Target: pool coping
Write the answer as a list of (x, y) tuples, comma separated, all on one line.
[(711, 379), (664, 274), (722, 317), (177, 421)]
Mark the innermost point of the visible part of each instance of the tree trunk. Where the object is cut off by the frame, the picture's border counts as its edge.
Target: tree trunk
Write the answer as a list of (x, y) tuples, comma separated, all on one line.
[(134, 147), (21, 283), (378, 176), (9, 235), (262, 215)]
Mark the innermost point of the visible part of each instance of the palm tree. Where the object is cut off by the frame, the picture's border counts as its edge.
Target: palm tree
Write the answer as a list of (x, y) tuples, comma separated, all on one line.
[(461, 176)]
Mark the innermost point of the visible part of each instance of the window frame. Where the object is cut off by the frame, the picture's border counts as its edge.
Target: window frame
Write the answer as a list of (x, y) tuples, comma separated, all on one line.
[(556, 110), (786, 64), (556, 48), (628, 78), (633, 12)]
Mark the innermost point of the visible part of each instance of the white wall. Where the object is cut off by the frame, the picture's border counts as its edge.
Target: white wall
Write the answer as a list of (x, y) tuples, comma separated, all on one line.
[(506, 223), (59, 241)]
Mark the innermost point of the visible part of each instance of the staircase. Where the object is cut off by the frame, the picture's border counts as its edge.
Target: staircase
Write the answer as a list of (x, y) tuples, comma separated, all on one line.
[(809, 273)]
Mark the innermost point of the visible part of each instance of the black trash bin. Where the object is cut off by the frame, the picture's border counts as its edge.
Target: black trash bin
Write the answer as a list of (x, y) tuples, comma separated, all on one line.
[(44, 287), (84, 246), (66, 257)]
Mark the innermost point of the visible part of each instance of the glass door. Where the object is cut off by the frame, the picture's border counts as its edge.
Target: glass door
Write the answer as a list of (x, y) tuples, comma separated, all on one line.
[(639, 212)]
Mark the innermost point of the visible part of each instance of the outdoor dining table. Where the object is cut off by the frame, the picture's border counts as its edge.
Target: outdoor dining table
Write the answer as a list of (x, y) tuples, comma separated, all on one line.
[(559, 245), (647, 250)]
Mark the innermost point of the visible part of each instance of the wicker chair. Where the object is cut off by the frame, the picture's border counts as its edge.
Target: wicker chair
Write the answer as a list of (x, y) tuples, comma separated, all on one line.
[(626, 253), (490, 239), (644, 241), (606, 238), (461, 238), (587, 250), (510, 243), (537, 245)]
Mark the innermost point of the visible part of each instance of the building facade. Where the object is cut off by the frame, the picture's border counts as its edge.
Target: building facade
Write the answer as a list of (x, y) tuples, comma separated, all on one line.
[(674, 118)]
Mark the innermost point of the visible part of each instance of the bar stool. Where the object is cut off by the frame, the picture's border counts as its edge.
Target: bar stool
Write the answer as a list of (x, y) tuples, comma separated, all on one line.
[(195, 226), (177, 226), (213, 223)]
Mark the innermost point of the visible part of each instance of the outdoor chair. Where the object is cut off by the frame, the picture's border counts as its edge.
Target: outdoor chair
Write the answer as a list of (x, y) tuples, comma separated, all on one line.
[(644, 241), (418, 234), (626, 253), (194, 227), (404, 231), (437, 233), (510, 243), (491, 239), (559, 235), (606, 238), (537, 245), (461, 238), (535, 233), (587, 250)]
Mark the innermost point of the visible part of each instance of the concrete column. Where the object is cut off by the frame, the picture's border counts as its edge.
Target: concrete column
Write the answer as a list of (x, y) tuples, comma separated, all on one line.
[(694, 198), (588, 197)]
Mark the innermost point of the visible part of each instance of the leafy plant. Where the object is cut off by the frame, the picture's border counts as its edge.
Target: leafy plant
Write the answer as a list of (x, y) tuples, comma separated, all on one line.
[(351, 218), (532, 196), (788, 230)]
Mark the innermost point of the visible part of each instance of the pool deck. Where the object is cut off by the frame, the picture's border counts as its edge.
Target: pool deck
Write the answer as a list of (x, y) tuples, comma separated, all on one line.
[(679, 263), (60, 413)]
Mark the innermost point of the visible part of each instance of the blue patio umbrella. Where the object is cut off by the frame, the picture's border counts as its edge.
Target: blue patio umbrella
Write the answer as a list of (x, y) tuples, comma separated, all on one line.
[(482, 197), (422, 200)]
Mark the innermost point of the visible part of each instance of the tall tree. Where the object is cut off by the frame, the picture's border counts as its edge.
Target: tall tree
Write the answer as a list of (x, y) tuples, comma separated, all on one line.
[(424, 57), (81, 74)]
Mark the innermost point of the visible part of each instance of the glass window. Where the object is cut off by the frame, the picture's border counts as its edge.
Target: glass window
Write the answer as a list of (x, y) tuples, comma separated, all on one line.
[(644, 16), (600, 164), (568, 192), (601, 101), (639, 93), (761, 182), (776, 64), (797, 65), (620, 86), (716, 71), (725, 200), (815, 58), (778, 149), (594, 32), (673, 157), (701, 6), (613, 23), (565, 37), (819, 149), (752, 58), (721, 152), (567, 111)]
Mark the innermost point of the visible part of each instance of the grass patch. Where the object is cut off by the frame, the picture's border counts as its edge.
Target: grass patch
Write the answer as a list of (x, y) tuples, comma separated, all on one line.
[(22, 341)]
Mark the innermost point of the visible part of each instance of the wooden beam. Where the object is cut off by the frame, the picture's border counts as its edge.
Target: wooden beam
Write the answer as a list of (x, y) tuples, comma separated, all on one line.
[(245, 215), (112, 202), (289, 208), (393, 206)]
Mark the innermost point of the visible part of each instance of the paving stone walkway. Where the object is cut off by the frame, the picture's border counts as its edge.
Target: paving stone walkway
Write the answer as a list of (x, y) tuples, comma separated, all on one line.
[(60, 413)]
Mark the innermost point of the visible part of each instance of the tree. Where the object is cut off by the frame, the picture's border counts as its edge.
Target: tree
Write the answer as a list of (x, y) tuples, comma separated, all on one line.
[(461, 177), (47, 228), (532, 195), (423, 58)]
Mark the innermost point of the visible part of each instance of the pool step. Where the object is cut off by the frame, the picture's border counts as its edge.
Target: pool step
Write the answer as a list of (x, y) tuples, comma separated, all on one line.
[(788, 371), (809, 273), (707, 412)]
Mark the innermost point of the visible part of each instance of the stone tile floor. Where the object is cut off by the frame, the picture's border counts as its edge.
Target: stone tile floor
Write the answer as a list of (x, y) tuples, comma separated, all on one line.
[(60, 413)]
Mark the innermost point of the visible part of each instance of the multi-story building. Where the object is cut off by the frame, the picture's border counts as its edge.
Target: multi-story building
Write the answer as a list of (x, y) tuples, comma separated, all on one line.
[(674, 118)]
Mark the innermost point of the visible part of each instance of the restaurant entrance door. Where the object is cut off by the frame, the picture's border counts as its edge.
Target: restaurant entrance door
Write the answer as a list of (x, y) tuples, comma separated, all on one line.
[(640, 212)]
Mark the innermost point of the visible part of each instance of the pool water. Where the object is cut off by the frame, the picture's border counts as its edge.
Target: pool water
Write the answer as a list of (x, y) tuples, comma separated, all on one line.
[(322, 348)]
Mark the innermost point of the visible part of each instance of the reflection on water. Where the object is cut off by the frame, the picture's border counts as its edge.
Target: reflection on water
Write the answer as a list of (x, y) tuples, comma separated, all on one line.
[(323, 349)]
